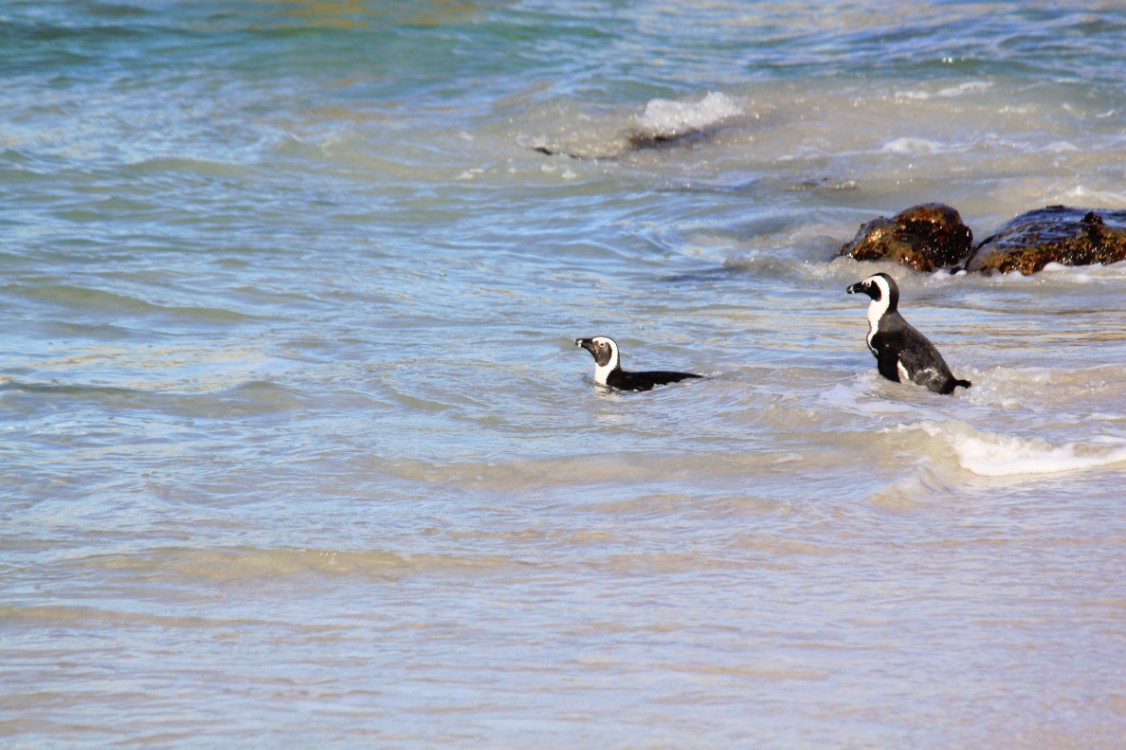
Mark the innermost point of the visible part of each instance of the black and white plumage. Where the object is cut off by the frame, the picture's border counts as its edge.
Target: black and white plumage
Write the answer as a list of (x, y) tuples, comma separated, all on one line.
[(902, 353), (608, 368)]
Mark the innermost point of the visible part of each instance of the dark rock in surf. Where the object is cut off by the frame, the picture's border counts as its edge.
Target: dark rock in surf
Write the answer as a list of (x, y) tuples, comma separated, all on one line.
[(626, 143), (926, 238), (663, 124), (1056, 234)]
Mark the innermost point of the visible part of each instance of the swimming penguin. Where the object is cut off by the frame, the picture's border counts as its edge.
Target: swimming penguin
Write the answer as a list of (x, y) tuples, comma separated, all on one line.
[(608, 368), (902, 353)]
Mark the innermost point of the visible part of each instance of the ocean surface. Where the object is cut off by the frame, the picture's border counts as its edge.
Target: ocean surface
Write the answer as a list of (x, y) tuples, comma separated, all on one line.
[(298, 450)]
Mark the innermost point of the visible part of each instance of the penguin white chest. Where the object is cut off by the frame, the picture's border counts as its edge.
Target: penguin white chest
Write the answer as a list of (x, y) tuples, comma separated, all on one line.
[(875, 312), (602, 372), (904, 376)]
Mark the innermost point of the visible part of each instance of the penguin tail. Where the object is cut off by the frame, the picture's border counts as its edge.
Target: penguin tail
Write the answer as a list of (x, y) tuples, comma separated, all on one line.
[(963, 383)]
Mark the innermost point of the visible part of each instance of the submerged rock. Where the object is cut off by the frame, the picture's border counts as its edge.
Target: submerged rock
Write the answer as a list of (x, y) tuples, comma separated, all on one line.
[(663, 124), (926, 238), (623, 144), (1056, 234)]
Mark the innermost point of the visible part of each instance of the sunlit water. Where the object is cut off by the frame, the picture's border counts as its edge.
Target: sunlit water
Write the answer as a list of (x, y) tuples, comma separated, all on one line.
[(298, 451)]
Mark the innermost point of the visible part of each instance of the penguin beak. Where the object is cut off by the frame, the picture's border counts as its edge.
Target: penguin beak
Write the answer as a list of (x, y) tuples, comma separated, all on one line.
[(587, 344), (856, 288)]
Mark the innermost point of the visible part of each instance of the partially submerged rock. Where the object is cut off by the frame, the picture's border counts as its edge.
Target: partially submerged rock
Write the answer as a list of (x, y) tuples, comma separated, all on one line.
[(932, 236), (663, 124), (624, 143), (1056, 234), (926, 238)]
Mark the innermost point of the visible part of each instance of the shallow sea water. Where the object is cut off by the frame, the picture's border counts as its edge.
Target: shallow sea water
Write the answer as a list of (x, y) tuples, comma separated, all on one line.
[(298, 449)]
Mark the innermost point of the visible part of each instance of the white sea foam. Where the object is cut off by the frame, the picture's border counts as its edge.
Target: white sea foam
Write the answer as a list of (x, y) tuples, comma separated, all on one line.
[(911, 146), (993, 455), (1079, 277), (968, 87), (999, 456), (1060, 147), (1105, 198), (668, 118), (920, 96)]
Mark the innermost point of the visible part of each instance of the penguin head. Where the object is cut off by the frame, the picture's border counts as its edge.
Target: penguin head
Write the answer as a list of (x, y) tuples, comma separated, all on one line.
[(880, 287), (603, 349)]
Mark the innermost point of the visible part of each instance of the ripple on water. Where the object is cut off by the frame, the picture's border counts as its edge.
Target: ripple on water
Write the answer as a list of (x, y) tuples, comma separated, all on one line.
[(297, 452)]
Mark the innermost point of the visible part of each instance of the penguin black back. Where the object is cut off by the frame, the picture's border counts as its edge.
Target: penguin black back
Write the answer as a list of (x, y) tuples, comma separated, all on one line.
[(608, 368), (902, 353)]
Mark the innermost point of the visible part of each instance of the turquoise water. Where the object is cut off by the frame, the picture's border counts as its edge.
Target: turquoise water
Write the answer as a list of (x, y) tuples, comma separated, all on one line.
[(298, 449)]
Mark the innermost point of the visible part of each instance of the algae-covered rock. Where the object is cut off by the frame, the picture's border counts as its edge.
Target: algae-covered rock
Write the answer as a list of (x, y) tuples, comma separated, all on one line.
[(925, 238), (1056, 234)]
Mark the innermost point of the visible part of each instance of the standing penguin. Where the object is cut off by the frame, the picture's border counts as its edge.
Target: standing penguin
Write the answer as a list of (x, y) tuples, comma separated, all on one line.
[(608, 368), (902, 353)]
